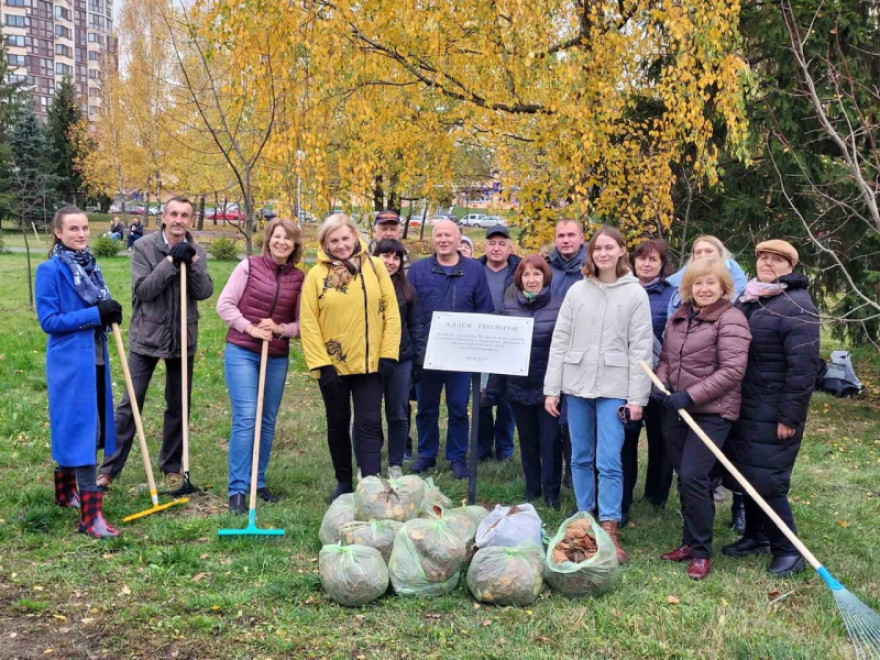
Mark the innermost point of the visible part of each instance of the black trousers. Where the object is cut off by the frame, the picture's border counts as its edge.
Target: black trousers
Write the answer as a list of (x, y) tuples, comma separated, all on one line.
[(363, 392), (693, 462), (758, 524), (170, 455), (540, 444), (658, 477)]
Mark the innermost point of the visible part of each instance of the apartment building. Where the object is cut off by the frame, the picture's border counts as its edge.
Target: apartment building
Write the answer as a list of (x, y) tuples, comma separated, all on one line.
[(48, 40)]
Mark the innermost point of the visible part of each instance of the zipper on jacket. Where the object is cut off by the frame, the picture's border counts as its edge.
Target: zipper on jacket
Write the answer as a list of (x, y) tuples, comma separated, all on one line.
[(366, 323), (687, 332), (277, 290)]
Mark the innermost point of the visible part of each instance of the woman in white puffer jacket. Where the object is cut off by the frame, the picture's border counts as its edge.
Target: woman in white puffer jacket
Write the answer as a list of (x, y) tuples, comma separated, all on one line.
[(604, 330)]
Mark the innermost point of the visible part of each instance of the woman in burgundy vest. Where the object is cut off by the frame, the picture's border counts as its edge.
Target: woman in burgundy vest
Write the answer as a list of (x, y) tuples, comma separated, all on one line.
[(259, 302)]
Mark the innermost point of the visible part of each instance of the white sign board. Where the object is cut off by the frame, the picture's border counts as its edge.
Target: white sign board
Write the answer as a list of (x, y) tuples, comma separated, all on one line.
[(479, 343)]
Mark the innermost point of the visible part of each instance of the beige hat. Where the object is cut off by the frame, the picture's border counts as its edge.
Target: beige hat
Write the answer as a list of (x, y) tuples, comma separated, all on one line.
[(780, 247)]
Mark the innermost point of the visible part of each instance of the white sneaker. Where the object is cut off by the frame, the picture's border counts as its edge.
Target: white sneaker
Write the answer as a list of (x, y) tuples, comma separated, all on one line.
[(394, 472)]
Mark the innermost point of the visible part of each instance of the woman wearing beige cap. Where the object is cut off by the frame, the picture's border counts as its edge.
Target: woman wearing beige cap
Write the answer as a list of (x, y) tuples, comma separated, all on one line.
[(780, 376)]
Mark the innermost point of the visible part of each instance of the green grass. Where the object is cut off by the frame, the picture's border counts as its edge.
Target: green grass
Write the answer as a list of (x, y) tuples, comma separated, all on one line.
[(170, 588)]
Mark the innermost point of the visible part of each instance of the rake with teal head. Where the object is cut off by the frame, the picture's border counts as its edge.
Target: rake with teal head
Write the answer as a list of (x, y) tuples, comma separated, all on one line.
[(252, 529), (862, 623)]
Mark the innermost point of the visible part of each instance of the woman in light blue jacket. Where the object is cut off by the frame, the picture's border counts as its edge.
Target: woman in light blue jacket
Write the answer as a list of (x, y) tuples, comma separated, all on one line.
[(703, 247)]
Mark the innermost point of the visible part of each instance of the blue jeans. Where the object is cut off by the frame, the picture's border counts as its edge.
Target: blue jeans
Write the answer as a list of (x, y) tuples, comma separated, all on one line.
[(242, 380), (596, 441), (497, 432), (458, 390)]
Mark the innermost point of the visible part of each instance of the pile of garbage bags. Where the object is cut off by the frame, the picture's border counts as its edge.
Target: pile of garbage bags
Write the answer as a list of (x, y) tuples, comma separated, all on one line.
[(407, 534)]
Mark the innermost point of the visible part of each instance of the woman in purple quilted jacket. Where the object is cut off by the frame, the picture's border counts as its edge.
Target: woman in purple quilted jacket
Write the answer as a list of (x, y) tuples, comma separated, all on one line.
[(260, 302), (703, 361)]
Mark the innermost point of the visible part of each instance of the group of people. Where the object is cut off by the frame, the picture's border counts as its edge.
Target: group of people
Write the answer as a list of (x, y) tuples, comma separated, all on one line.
[(117, 230), (740, 356)]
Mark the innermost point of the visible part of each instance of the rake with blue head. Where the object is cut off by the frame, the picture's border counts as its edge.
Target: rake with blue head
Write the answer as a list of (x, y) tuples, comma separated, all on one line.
[(862, 623)]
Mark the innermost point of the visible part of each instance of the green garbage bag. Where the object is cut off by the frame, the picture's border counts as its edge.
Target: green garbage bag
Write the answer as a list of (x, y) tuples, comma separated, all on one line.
[(341, 511), (426, 558), (463, 520), (352, 575), (504, 575), (389, 499), (433, 497), (377, 534), (591, 577)]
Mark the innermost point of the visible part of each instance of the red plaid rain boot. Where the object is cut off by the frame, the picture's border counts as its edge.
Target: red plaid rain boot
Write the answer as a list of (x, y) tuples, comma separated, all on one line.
[(66, 494), (92, 516)]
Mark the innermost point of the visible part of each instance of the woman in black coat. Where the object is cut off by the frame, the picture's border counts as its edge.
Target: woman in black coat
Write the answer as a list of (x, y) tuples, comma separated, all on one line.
[(776, 391), (540, 436)]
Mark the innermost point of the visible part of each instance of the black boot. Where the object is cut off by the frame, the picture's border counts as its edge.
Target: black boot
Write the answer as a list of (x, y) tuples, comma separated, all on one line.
[(738, 514), (747, 546), (341, 489), (236, 503), (786, 565)]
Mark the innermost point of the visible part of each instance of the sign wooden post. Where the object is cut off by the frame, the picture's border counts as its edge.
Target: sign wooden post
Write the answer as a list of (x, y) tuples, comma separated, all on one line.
[(478, 344)]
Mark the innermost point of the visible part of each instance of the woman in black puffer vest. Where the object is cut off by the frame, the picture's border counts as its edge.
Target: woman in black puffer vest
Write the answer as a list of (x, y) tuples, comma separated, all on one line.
[(540, 436), (779, 381)]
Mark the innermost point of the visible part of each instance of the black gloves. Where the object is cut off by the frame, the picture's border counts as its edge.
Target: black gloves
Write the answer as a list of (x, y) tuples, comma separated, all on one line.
[(386, 368), (678, 401), (182, 252), (110, 311), (329, 377), (658, 395), (417, 373)]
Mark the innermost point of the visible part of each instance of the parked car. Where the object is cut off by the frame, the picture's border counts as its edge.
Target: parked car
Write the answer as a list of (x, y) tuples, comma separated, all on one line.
[(134, 210), (156, 210), (492, 220), (477, 220)]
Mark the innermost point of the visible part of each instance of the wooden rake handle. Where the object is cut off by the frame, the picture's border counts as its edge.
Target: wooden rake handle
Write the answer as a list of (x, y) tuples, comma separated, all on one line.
[(184, 369), (136, 413), (258, 425), (686, 416)]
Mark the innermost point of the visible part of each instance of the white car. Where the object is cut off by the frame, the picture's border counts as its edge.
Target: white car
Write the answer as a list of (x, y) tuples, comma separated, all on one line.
[(492, 220), (477, 220)]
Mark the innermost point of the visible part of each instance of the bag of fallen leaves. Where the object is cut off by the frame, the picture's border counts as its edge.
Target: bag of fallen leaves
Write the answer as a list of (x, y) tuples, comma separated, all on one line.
[(389, 499), (433, 497), (464, 521), (501, 575), (510, 526), (426, 558), (377, 534), (339, 513), (352, 575), (580, 559)]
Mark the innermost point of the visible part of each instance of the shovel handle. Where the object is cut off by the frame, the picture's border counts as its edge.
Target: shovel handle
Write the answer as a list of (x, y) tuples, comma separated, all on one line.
[(184, 369), (686, 416), (135, 413)]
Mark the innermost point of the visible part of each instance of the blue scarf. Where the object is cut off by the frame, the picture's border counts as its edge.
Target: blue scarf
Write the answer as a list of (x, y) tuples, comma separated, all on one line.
[(86, 273)]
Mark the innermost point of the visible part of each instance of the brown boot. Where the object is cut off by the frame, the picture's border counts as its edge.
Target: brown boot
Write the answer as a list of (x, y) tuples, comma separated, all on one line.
[(610, 527)]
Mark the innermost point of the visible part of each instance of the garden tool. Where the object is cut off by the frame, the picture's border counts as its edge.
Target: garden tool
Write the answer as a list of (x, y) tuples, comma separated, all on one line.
[(252, 529), (138, 424), (862, 623)]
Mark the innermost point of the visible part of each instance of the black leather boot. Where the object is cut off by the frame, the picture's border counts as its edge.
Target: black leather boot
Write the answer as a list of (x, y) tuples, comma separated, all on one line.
[(236, 503), (747, 546), (786, 565), (738, 514), (341, 489)]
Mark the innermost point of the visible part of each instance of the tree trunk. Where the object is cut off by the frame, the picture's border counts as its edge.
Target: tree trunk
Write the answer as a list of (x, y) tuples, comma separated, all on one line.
[(30, 278), (424, 221), (378, 195), (201, 224)]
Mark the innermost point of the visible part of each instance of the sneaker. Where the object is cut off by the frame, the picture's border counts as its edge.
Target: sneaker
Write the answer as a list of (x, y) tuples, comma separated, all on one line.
[(460, 470), (394, 472), (422, 465)]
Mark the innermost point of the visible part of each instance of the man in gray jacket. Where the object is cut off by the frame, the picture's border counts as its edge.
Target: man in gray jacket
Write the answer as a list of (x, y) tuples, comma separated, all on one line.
[(154, 332)]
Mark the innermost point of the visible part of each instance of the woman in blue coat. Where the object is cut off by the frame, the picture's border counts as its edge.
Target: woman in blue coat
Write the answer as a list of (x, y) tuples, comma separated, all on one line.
[(540, 435), (74, 307)]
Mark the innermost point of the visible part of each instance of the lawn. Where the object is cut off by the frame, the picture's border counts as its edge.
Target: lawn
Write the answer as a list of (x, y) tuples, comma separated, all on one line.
[(170, 588)]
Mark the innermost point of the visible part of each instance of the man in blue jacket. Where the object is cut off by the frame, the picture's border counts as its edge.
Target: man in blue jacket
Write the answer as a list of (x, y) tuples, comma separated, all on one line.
[(446, 282), (496, 433)]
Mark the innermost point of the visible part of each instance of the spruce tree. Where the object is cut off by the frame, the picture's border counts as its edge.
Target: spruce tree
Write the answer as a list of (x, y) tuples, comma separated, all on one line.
[(64, 114), (33, 181)]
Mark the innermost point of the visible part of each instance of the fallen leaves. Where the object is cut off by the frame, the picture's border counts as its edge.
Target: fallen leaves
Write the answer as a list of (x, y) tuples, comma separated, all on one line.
[(672, 600)]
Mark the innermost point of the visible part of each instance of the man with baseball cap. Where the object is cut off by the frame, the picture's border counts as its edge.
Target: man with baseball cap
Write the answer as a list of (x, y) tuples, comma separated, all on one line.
[(387, 225), (496, 432)]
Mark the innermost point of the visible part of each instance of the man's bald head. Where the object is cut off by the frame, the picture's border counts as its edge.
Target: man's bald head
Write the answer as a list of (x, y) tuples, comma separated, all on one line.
[(447, 237)]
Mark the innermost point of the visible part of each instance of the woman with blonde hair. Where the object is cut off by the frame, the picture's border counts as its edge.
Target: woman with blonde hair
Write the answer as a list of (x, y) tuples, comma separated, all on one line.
[(707, 246), (350, 329), (602, 334), (702, 363), (260, 302)]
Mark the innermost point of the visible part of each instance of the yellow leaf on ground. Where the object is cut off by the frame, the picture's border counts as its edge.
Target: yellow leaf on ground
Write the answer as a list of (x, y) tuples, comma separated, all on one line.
[(672, 600)]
